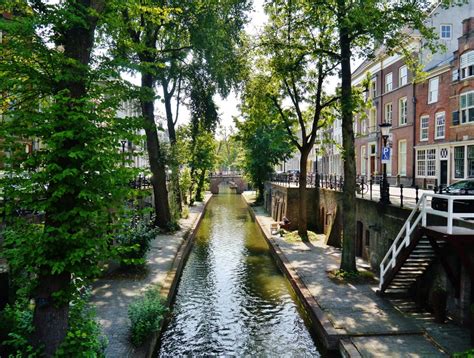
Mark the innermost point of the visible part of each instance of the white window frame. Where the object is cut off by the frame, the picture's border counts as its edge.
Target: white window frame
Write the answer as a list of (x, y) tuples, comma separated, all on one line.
[(433, 92), (421, 163), (466, 64), (467, 107), (462, 161), (401, 156), (450, 26), (402, 111), (388, 114), (422, 128), (402, 76), (388, 82), (440, 126)]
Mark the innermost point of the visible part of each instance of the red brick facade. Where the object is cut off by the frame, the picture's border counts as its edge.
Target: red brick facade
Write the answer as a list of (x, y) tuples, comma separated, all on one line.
[(451, 155)]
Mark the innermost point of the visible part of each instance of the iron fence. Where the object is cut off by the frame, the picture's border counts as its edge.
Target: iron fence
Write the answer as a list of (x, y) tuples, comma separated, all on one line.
[(366, 188)]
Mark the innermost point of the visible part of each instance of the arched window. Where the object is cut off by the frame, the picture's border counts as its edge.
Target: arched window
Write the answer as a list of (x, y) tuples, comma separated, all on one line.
[(467, 64)]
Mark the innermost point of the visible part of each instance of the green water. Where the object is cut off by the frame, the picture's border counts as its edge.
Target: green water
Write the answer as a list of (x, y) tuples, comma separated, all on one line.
[(232, 300)]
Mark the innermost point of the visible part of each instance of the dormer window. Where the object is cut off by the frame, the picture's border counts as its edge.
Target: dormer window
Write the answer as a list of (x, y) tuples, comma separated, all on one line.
[(467, 64)]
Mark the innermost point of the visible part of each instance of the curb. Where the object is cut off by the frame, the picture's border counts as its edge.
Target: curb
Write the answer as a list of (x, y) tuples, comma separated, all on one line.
[(325, 331), (170, 285)]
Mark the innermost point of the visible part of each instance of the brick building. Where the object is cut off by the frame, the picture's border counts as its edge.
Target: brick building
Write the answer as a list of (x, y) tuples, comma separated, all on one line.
[(418, 155), (445, 117)]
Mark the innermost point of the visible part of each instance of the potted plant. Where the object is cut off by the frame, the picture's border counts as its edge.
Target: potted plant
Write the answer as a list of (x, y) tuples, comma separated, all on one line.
[(439, 299)]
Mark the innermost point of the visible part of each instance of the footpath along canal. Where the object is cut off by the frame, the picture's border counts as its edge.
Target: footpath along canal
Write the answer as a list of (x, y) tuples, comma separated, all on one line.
[(232, 300)]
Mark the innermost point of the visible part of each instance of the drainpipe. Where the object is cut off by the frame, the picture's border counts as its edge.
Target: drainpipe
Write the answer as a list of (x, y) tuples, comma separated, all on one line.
[(413, 162)]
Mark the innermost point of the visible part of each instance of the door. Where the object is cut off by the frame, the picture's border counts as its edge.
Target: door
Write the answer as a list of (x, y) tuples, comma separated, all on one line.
[(372, 165), (443, 169)]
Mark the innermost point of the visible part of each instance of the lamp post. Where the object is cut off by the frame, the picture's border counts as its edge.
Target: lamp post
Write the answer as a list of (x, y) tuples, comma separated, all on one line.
[(123, 151), (384, 192)]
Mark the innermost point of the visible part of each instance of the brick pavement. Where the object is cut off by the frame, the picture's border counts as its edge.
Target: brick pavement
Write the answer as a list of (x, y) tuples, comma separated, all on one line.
[(112, 296), (372, 325)]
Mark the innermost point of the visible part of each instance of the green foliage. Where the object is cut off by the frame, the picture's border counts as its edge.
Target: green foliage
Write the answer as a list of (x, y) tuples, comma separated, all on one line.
[(467, 354), (134, 242), (84, 337), (228, 151), (197, 153), (16, 327), (146, 314), (262, 135)]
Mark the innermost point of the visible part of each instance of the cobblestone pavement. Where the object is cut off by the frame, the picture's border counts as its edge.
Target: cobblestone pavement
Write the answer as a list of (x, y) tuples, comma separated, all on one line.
[(376, 328), (112, 296)]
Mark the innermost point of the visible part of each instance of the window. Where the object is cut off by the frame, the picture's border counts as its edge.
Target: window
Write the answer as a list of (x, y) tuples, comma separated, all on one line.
[(467, 107), (459, 162), (424, 124), (440, 122), (372, 120), (445, 33), (402, 157), (426, 162), (433, 90), (403, 78), (388, 113), (403, 110), (363, 126), (363, 160), (431, 162), (421, 163), (373, 89), (467, 64), (388, 82), (470, 161)]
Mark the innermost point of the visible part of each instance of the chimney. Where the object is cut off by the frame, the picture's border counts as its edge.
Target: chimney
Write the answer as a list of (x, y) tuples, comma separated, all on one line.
[(467, 25)]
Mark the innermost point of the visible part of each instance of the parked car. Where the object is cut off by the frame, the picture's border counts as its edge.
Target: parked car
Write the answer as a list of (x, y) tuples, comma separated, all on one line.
[(463, 187)]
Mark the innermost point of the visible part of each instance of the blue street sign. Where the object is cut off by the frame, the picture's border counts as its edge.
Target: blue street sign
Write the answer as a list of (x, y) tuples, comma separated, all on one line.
[(386, 154)]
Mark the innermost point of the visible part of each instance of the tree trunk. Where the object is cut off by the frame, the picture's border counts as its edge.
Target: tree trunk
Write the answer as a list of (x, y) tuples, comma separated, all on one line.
[(175, 189), (157, 162), (50, 316), (200, 186), (348, 262), (260, 192), (303, 197)]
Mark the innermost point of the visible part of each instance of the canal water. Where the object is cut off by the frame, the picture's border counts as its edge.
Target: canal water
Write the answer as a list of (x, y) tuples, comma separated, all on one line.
[(232, 300)]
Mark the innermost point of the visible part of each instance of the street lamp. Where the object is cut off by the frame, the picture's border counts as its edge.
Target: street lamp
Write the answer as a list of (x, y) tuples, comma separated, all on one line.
[(384, 192)]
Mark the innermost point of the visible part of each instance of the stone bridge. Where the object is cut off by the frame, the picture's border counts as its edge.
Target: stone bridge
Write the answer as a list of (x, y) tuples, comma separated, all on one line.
[(233, 181)]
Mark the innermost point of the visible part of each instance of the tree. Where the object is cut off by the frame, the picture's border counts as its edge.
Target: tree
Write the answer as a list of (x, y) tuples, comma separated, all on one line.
[(362, 27), (228, 150), (293, 41), (263, 136), (197, 152), (62, 99)]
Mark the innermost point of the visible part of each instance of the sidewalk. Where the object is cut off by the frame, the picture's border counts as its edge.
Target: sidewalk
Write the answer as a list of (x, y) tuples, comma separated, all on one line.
[(112, 296), (366, 324)]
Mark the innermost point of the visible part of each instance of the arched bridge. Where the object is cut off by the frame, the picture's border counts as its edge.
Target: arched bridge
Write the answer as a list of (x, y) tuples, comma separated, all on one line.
[(232, 181)]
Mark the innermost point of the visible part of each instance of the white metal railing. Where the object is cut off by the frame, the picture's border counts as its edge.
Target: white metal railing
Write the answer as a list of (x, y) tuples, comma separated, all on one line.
[(419, 213)]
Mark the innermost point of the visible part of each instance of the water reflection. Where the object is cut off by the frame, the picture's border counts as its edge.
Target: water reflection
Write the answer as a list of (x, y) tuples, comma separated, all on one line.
[(232, 299)]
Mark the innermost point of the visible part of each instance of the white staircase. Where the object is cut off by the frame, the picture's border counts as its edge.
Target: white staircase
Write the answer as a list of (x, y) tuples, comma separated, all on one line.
[(413, 252)]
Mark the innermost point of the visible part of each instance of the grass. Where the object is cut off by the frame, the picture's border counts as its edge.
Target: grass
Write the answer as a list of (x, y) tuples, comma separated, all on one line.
[(343, 277)]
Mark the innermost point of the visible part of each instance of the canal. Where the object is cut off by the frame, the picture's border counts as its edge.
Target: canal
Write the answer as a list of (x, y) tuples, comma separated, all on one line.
[(232, 300)]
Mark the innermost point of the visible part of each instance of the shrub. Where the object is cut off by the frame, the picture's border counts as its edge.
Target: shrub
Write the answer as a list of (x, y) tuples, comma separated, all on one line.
[(146, 315), (84, 337), (134, 243), (16, 324)]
